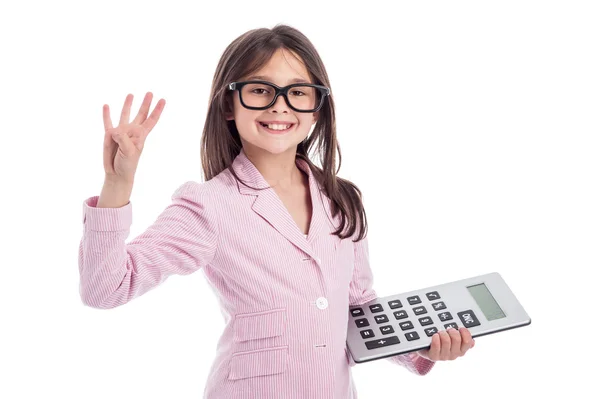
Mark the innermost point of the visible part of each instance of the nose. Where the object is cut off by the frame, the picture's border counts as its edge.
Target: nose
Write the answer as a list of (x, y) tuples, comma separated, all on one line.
[(280, 105)]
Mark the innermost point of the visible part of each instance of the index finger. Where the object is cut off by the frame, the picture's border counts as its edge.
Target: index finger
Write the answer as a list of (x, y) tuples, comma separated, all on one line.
[(435, 347), (106, 117), (467, 339)]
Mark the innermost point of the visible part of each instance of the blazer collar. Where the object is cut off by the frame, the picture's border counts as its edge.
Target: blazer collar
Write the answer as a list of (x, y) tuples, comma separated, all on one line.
[(271, 208)]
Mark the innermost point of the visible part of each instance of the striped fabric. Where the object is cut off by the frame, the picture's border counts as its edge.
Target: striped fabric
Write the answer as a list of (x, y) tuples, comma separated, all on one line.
[(284, 296)]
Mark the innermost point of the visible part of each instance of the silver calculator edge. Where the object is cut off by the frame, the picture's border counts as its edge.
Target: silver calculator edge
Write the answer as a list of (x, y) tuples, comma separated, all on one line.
[(517, 317)]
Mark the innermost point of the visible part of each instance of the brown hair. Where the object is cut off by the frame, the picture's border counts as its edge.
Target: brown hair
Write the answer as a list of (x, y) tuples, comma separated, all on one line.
[(221, 141)]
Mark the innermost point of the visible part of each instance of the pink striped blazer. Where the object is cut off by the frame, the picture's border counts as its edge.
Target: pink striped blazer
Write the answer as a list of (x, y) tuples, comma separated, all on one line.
[(284, 296)]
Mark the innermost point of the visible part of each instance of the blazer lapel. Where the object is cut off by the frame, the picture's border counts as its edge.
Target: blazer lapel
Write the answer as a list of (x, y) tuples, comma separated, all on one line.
[(268, 205)]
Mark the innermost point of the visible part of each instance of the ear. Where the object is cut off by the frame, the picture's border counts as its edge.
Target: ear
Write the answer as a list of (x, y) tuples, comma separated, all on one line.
[(229, 116), (315, 117)]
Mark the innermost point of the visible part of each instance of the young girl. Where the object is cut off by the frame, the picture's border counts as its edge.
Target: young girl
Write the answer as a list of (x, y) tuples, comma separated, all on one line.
[(281, 241)]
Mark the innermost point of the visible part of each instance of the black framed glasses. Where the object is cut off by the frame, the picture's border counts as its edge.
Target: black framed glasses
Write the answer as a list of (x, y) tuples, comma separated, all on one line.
[(261, 95)]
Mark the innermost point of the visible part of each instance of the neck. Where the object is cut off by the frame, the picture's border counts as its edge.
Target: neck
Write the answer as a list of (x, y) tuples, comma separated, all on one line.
[(279, 170)]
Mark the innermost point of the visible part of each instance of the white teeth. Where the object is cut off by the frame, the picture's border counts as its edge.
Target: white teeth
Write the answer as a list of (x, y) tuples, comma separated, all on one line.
[(278, 127)]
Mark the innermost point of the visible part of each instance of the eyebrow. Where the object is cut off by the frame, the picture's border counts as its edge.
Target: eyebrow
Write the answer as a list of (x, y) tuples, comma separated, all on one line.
[(261, 77)]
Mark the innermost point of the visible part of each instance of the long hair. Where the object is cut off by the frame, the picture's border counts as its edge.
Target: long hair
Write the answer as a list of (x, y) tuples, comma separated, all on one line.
[(221, 142)]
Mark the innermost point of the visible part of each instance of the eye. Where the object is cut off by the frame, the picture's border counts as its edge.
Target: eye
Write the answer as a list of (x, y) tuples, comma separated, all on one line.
[(262, 91), (297, 92)]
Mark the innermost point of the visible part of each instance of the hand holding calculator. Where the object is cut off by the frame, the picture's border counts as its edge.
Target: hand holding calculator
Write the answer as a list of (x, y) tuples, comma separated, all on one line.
[(403, 323)]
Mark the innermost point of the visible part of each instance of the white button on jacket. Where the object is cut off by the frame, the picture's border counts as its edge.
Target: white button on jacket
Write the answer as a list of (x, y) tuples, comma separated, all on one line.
[(322, 303), (264, 283)]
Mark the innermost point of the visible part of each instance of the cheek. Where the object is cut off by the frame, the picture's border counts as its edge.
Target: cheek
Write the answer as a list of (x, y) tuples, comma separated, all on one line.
[(245, 127), (305, 122), (245, 121)]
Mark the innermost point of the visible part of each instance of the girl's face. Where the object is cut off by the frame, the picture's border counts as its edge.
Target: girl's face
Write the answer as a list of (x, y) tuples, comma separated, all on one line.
[(281, 70)]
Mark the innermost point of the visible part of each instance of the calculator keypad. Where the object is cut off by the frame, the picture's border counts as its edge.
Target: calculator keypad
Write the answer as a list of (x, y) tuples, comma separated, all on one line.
[(444, 316), (419, 310), (357, 312), (468, 318), (401, 314), (376, 308), (407, 328), (431, 331), (386, 329), (367, 333), (407, 325), (411, 336), (362, 323), (413, 300), (378, 343), (433, 295), (395, 304)]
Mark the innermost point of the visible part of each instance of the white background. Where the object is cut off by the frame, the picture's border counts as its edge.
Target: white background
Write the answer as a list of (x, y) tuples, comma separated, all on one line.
[(472, 129)]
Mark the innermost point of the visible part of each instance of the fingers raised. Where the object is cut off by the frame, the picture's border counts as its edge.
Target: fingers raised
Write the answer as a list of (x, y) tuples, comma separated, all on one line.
[(125, 111), (144, 108), (153, 118), (106, 118)]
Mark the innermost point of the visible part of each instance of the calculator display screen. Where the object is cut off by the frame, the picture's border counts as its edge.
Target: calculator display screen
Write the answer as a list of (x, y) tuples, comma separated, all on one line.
[(486, 302)]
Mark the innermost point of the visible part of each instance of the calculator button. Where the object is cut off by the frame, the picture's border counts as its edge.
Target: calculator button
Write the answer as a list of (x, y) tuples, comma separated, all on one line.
[(376, 308), (468, 318), (395, 304), (381, 319), (425, 321), (433, 295), (439, 305), (357, 312), (386, 329), (419, 310), (379, 343), (411, 336), (445, 316), (406, 325), (431, 331), (362, 323), (451, 325), (401, 314), (367, 333), (413, 300)]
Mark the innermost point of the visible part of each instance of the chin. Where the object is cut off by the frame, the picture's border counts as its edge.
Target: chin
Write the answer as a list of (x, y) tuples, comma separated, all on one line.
[(273, 147)]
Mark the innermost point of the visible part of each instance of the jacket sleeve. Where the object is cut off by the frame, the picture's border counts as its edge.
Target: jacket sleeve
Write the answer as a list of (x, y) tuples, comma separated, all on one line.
[(182, 240), (361, 291)]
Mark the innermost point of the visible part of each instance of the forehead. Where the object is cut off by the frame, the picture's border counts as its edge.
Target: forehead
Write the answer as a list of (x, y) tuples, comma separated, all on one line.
[(283, 68)]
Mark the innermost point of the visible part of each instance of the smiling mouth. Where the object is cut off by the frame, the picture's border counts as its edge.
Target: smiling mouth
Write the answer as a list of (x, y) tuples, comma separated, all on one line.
[(277, 128)]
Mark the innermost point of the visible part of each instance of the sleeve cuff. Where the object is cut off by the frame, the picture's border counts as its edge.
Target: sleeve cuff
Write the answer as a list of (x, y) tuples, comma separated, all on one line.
[(105, 219), (422, 365)]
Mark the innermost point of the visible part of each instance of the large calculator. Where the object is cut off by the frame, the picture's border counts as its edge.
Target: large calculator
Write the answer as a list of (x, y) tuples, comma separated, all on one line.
[(403, 323)]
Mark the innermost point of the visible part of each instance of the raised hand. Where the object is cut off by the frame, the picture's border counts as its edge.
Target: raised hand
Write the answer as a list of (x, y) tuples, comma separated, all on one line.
[(123, 144)]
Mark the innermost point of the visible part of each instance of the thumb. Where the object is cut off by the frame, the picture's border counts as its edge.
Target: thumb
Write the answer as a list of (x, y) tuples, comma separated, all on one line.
[(125, 144)]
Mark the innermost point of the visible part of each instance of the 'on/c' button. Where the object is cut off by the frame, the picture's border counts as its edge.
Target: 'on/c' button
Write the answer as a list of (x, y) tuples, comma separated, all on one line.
[(322, 303)]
